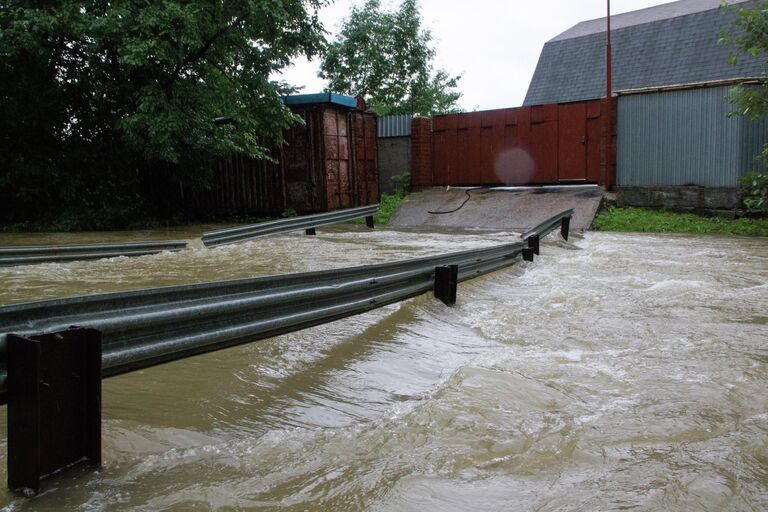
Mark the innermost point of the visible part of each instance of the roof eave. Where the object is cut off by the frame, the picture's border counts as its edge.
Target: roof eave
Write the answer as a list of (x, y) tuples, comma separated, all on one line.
[(695, 85)]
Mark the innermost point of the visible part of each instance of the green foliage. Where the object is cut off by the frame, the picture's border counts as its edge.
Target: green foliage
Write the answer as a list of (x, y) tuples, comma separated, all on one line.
[(389, 202), (387, 206), (386, 56), (749, 34), (749, 37), (402, 183), (98, 99), (661, 221), (754, 192)]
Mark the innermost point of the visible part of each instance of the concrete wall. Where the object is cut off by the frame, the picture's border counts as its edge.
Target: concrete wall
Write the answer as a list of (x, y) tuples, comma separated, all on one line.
[(394, 161), (679, 198)]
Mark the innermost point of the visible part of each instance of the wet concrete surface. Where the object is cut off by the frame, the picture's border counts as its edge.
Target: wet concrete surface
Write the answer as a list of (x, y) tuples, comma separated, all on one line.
[(507, 208)]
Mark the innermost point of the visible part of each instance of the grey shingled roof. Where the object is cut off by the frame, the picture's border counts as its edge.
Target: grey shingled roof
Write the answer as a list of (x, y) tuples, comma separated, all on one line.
[(669, 44)]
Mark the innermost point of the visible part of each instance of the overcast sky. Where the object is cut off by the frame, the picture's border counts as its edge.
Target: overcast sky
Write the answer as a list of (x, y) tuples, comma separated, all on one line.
[(493, 44)]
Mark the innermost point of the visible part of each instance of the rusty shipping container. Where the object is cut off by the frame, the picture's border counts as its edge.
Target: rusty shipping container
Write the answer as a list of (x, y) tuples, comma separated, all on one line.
[(327, 163)]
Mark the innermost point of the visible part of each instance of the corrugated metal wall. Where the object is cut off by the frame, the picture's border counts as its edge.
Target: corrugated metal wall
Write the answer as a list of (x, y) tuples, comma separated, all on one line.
[(364, 145), (394, 126), (242, 185), (684, 137)]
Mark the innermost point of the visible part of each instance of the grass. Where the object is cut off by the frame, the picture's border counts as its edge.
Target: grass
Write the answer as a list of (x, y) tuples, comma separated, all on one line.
[(387, 206), (663, 221)]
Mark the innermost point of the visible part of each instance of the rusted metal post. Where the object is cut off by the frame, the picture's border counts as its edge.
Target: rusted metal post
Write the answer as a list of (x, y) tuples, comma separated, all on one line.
[(606, 179), (608, 70), (446, 283), (369, 221), (565, 225), (533, 243), (54, 404), (527, 254), (310, 231)]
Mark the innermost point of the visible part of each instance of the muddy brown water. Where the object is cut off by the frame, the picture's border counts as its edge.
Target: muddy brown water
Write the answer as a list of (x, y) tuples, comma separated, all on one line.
[(619, 371)]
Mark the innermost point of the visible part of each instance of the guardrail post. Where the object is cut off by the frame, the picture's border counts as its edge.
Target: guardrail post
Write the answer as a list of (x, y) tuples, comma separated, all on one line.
[(527, 254), (310, 231), (369, 221), (565, 225), (533, 243), (54, 404), (446, 283)]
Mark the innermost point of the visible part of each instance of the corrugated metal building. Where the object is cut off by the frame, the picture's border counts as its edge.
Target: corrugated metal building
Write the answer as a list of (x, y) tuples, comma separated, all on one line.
[(328, 162), (684, 136), (678, 147), (394, 126), (673, 128)]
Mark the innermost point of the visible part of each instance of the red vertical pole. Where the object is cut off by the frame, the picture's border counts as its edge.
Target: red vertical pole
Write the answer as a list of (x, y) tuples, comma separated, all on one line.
[(606, 174), (608, 91)]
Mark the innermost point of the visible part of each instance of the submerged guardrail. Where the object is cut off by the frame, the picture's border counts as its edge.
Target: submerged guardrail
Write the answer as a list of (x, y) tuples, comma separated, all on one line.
[(52, 382), (33, 254), (273, 227), (51, 371), (562, 220), (146, 327)]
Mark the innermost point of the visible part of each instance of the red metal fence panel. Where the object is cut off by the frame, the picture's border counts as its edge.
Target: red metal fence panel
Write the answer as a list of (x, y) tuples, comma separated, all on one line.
[(594, 140), (542, 144), (544, 131), (572, 142)]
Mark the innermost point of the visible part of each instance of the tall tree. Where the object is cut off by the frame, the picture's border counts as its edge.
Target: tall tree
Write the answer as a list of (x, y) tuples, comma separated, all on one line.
[(96, 95), (386, 56)]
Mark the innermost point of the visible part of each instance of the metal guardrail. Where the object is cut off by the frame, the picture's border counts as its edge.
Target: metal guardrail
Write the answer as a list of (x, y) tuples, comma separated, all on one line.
[(147, 327), (561, 220), (307, 222), (533, 236), (55, 370), (32, 254)]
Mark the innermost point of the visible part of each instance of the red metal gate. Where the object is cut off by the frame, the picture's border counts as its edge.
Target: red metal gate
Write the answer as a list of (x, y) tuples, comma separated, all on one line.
[(572, 142), (542, 144)]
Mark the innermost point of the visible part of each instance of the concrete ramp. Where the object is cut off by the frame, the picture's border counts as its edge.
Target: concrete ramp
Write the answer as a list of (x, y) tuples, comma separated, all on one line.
[(502, 208)]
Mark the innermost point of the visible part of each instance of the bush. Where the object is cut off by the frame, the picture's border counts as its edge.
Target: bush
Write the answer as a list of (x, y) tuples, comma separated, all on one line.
[(754, 192)]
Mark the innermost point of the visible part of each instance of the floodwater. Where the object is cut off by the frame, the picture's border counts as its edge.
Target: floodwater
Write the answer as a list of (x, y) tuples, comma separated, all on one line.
[(618, 371)]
